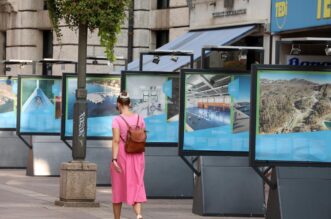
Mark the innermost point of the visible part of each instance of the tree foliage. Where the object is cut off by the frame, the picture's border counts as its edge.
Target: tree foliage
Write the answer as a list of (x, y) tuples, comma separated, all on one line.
[(104, 15)]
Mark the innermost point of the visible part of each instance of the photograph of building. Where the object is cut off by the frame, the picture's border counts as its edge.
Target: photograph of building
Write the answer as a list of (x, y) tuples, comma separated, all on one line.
[(154, 97), (216, 111), (147, 94), (208, 102)]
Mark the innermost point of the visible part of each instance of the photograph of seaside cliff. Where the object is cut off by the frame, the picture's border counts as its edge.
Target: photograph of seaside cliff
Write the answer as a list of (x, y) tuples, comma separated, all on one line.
[(8, 96), (101, 97), (294, 102)]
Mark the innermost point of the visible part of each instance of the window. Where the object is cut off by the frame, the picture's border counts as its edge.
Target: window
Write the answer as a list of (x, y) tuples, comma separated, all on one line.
[(45, 5), (162, 37), (47, 51), (228, 3), (162, 4)]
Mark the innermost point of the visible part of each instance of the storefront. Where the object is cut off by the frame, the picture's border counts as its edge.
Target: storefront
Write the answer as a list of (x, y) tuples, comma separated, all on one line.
[(217, 23), (301, 32)]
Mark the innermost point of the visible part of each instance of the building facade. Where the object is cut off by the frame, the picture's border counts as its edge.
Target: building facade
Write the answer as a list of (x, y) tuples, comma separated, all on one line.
[(26, 31)]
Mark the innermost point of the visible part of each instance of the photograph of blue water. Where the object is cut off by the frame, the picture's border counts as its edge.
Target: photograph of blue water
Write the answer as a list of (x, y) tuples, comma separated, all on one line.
[(216, 112), (102, 93), (8, 102), (198, 118), (39, 111)]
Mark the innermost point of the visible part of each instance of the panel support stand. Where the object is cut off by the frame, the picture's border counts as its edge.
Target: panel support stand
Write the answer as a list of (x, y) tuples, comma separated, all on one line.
[(25, 141), (191, 164), (227, 187), (67, 144), (262, 174), (302, 192)]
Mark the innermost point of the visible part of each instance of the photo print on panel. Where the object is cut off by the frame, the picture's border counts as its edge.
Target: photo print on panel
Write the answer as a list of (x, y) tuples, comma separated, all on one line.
[(102, 93), (156, 98), (40, 110), (293, 116), (8, 102), (217, 111)]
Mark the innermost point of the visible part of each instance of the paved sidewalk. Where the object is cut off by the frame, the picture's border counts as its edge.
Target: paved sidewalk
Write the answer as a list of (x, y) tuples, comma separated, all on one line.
[(33, 198)]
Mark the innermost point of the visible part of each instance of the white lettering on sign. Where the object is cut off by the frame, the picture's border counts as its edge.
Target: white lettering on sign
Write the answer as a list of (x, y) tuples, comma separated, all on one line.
[(82, 125), (230, 13), (308, 60)]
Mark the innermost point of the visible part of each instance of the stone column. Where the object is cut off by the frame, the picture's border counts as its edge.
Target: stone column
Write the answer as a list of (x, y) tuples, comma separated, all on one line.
[(2, 51), (77, 184)]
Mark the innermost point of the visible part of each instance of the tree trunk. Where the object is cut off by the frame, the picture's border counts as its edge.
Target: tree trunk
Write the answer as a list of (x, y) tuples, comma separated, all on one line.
[(80, 107)]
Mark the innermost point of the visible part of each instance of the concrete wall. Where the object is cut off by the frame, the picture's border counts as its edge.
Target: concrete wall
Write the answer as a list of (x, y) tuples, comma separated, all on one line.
[(49, 152), (27, 20), (141, 32), (13, 152), (175, 19), (24, 24), (201, 13), (24, 27)]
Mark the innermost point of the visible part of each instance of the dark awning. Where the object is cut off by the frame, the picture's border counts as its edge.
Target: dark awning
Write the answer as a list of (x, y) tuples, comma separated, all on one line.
[(192, 41)]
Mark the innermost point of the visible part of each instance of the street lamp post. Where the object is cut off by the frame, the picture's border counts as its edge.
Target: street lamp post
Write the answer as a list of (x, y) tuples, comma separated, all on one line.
[(80, 106)]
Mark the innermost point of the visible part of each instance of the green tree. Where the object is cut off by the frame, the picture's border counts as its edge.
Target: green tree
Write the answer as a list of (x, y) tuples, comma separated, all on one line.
[(104, 15)]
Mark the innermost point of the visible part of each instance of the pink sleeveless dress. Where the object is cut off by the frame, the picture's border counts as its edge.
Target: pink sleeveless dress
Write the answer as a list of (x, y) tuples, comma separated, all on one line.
[(128, 186)]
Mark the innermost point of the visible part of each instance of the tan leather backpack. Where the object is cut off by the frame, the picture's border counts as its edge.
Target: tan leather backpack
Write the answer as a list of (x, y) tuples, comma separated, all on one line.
[(135, 138)]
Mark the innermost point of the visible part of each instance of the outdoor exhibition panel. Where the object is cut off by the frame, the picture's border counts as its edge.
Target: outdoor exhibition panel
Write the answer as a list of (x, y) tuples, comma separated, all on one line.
[(155, 96), (8, 103), (215, 112), (102, 93), (39, 105), (291, 116)]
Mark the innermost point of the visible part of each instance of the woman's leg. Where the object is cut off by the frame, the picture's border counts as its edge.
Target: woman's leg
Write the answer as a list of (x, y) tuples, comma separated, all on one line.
[(117, 210), (137, 209)]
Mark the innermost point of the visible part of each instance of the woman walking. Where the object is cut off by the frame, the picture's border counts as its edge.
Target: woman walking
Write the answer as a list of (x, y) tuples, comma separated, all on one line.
[(127, 169)]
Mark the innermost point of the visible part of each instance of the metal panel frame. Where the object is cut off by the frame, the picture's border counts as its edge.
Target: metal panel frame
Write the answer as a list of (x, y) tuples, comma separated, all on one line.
[(252, 136), (151, 73), (64, 100), (11, 78), (18, 131), (183, 152)]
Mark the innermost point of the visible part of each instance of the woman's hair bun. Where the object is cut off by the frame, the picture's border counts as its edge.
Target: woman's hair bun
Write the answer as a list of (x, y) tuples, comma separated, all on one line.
[(124, 95), (124, 98)]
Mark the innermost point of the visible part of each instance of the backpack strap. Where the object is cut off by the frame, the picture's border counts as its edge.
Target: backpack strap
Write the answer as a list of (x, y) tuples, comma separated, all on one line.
[(137, 122), (127, 124)]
